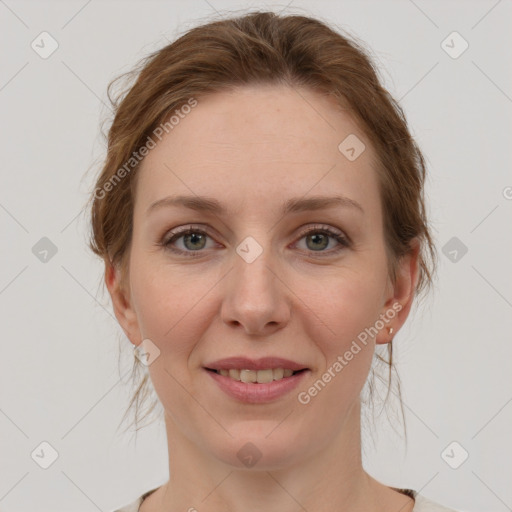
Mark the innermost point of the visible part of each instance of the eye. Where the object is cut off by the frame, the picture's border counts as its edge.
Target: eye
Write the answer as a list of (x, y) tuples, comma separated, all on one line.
[(193, 240), (318, 238)]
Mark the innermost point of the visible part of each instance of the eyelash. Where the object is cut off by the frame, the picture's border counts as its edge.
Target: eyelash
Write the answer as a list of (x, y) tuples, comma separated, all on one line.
[(175, 235)]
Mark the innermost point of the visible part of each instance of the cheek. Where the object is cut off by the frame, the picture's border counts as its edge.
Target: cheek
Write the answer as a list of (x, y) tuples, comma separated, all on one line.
[(168, 305), (155, 300), (346, 304), (168, 302), (346, 308)]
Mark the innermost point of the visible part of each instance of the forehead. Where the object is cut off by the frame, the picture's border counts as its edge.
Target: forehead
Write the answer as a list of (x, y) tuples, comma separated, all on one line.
[(260, 143)]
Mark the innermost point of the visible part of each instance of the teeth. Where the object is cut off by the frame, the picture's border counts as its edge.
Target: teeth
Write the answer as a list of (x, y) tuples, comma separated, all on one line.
[(249, 375), (278, 373), (260, 376)]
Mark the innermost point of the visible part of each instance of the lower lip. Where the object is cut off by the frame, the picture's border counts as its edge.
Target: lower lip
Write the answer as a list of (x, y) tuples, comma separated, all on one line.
[(254, 392)]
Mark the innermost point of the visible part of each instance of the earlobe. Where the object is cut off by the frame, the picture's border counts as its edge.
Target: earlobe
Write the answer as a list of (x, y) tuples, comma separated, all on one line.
[(399, 304), (121, 303)]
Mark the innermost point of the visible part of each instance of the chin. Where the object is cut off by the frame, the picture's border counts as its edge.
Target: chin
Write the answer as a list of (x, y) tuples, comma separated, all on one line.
[(257, 452)]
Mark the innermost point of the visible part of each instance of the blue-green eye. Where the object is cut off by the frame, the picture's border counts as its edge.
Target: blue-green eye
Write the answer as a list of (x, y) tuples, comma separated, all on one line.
[(319, 238)]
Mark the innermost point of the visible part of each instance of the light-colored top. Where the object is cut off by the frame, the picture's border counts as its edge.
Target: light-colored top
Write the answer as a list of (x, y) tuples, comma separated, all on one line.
[(421, 504)]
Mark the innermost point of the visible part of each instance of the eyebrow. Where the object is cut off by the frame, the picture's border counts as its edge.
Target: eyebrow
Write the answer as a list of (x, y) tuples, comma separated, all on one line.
[(293, 205)]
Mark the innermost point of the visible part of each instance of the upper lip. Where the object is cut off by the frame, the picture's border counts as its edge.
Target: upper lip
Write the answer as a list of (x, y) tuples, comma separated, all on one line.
[(243, 363)]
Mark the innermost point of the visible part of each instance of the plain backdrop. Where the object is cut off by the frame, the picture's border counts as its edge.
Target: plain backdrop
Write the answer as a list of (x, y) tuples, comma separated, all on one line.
[(60, 382)]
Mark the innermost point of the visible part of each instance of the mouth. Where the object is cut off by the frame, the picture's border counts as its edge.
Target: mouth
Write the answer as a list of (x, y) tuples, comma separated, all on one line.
[(264, 376), (257, 386)]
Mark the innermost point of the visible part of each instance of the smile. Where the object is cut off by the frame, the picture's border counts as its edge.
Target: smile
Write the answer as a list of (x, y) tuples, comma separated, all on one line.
[(256, 386)]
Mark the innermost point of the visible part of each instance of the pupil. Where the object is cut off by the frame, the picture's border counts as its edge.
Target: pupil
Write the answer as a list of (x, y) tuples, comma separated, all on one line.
[(315, 239), (194, 237)]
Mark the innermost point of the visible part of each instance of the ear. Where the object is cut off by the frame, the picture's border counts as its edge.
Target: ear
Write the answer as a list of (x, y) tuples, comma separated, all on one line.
[(121, 303), (401, 297)]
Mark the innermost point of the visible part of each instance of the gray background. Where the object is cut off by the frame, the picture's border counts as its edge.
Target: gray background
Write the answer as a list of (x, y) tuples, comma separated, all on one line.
[(59, 375)]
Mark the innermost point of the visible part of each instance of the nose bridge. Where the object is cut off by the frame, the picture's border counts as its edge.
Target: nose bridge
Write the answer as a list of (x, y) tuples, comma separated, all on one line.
[(252, 267), (254, 282)]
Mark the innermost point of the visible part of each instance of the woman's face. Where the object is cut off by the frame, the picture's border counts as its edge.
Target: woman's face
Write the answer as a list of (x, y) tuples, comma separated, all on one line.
[(260, 277)]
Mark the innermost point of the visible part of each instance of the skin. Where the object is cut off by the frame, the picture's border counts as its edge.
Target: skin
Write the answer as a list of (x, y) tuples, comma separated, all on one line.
[(252, 149)]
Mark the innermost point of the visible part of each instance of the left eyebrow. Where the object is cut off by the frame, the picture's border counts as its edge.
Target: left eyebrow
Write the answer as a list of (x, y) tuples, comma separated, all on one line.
[(314, 203), (293, 205)]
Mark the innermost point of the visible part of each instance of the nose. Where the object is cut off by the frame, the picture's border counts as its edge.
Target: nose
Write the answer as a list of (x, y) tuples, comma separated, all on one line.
[(255, 297)]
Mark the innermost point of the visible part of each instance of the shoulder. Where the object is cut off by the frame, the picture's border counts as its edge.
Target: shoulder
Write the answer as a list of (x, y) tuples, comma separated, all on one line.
[(135, 505), (423, 504), (132, 507)]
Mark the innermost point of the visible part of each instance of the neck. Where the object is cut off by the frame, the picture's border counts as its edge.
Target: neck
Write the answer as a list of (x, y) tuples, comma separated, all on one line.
[(331, 477)]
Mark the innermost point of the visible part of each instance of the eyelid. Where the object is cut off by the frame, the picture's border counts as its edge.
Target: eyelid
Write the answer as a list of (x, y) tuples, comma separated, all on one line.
[(322, 227)]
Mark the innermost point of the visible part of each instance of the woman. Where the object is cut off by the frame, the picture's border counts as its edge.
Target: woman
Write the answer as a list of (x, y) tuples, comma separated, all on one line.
[(261, 218)]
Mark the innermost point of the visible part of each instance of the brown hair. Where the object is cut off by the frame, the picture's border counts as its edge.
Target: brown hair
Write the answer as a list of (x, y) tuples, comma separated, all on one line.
[(261, 48)]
